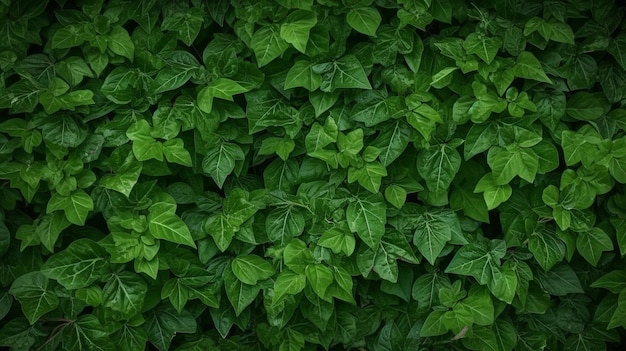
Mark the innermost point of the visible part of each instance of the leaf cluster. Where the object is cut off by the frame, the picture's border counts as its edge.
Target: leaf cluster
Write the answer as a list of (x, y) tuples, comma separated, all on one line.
[(312, 174)]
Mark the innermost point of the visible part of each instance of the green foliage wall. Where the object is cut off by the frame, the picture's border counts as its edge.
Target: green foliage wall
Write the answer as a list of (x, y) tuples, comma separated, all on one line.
[(306, 175)]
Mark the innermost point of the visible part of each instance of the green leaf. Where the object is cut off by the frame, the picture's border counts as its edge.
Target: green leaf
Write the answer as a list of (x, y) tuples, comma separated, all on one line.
[(87, 333), (485, 47), (35, 294), (614, 281), (120, 43), (163, 322), (547, 248), (296, 29), (81, 264), (585, 106), (288, 283), (560, 280), (124, 292), (284, 223), (367, 218), (320, 277), (438, 166), (369, 176), (392, 141), (338, 240), (364, 20), (166, 225), (433, 325), (396, 195), (130, 338), (68, 37), (592, 243), (175, 152), (222, 88), (240, 294), (477, 260), (249, 269), (301, 74), (527, 66), (219, 161), (433, 231), (187, 23), (480, 306), (268, 44), (345, 72), (505, 286)]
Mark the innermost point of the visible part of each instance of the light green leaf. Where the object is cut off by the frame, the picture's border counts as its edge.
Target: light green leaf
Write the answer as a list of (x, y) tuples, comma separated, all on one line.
[(338, 240), (527, 66), (166, 225), (364, 20), (396, 195), (76, 206), (320, 277), (301, 74), (288, 283), (367, 218), (295, 29), (249, 269), (175, 152), (267, 44)]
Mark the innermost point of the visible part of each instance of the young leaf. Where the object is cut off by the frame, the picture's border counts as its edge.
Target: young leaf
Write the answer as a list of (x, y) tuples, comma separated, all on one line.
[(166, 225)]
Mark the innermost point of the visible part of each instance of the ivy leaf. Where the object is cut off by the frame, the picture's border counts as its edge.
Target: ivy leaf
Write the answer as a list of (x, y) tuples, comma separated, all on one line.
[(87, 332), (249, 269), (296, 28), (81, 264), (120, 43), (320, 277), (301, 74), (345, 72), (124, 292), (438, 166), (547, 248), (163, 322), (367, 218), (592, 243), (432, 233), (268, 44), (240, 294), (485, 47), (527, 66), (219, 162), (288, 283), (166, 225), (284, 223), (364, 20), (35, 294)]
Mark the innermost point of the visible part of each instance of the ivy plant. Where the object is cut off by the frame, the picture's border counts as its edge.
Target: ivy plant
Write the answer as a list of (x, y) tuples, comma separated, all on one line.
[(312, 174)]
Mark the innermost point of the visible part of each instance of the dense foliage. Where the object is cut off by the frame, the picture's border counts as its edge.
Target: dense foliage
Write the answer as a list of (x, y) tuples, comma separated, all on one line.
[(304, 175)]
